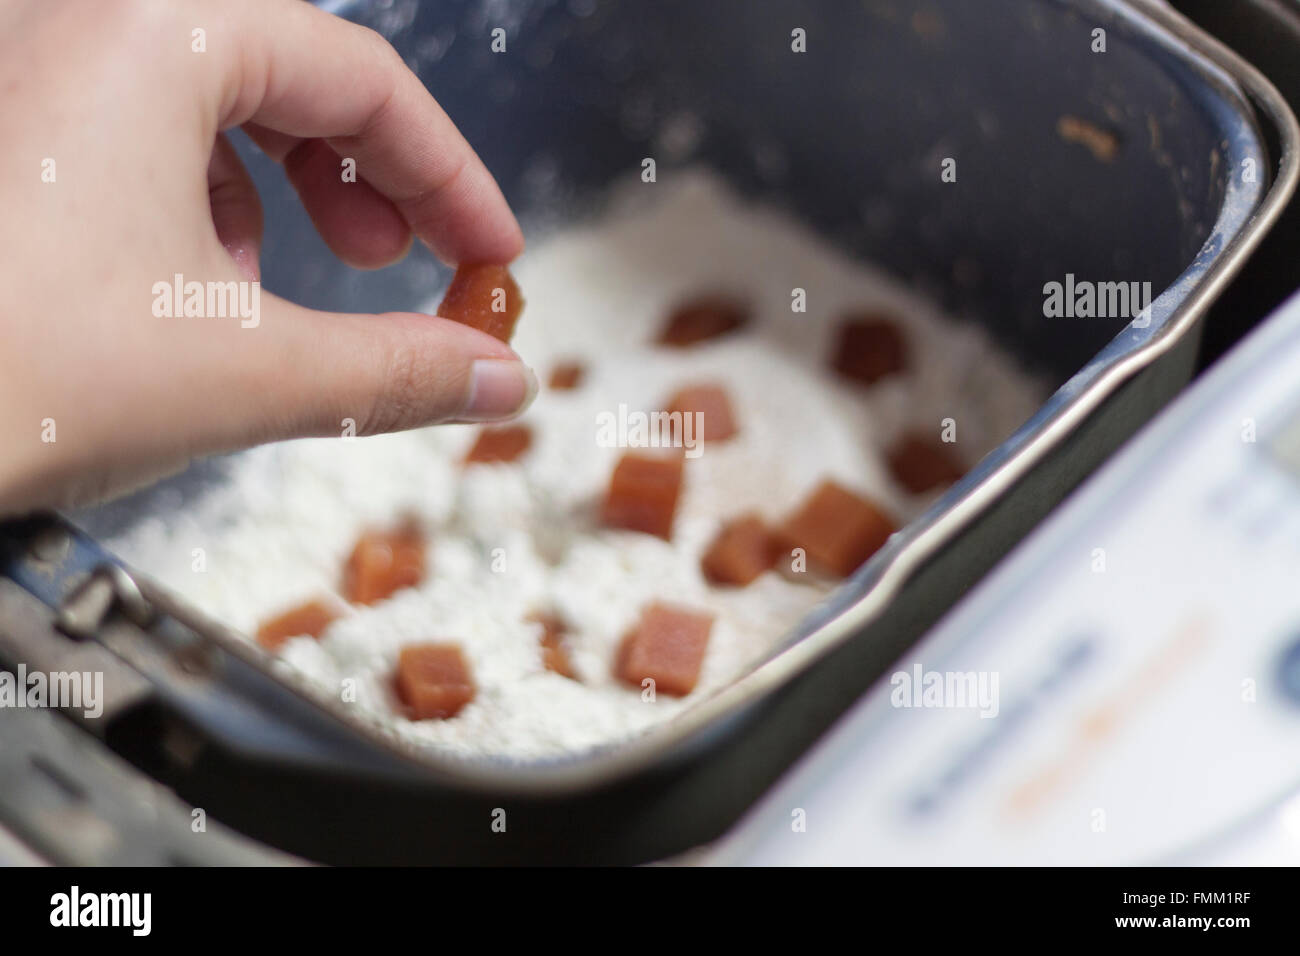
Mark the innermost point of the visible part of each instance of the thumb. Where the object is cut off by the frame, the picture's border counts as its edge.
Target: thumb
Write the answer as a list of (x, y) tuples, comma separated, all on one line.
[(315, 371)]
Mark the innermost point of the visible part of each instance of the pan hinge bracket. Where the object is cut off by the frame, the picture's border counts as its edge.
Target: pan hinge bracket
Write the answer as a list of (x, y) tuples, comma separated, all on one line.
[(88, 605)]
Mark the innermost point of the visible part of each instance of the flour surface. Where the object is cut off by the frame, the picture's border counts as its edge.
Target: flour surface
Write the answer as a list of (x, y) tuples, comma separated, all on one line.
[(506, 540)]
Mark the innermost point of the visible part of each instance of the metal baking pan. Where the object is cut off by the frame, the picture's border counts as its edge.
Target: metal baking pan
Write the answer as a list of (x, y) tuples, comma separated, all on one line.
[(849, 136)]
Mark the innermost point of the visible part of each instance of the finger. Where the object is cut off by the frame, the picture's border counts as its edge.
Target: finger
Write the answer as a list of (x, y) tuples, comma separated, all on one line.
[(313, 372), (359, 225), (236, 209), (272, 142), (302, 72)]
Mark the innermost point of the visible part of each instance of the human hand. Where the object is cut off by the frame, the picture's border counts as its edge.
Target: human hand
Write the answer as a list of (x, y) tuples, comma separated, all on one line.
[(115, 178)]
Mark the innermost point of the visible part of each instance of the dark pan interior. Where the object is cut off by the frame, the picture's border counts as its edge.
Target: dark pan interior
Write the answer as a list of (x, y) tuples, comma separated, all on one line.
[(850, 135)]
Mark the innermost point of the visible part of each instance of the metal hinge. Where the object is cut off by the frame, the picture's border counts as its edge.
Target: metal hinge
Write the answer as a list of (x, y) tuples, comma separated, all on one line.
[(109, 585)]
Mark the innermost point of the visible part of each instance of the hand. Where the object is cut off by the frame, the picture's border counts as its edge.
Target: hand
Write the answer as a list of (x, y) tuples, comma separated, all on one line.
[(115, 177)]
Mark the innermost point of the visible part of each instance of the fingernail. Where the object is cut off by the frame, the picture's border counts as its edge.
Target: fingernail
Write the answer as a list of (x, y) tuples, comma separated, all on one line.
[(498, 388)]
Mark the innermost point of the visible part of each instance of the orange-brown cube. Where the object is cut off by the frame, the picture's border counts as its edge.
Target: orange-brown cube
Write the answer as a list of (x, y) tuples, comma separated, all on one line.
[(921, 465), (702, 319), (433, 680), (384, 562), (666, 646), (308, 619), (710, 402), (555, 656), (643, 492), (500, 444), (868, 348), (837, 529), (484, 297), (741, 552), (567, 375)]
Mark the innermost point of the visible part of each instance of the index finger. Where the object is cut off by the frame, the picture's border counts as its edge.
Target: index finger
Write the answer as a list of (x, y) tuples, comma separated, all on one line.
[(303, 72)]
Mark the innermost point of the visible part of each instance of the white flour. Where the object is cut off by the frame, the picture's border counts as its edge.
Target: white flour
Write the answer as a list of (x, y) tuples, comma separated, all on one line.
[(280, 531)]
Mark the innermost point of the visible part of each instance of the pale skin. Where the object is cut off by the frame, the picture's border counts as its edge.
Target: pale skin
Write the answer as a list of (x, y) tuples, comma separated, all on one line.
[(146, 185)]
